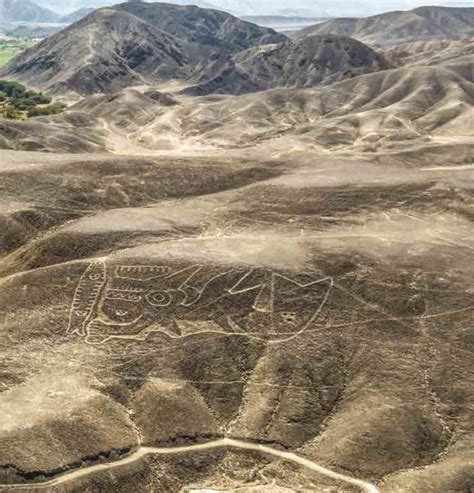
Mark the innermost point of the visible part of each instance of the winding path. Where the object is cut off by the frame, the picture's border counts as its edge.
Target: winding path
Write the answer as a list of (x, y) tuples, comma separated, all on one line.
[(224, 442)]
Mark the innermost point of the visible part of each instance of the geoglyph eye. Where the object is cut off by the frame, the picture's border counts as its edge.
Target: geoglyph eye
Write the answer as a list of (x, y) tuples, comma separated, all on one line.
[(94, 277), (121, 313), (159, 298)]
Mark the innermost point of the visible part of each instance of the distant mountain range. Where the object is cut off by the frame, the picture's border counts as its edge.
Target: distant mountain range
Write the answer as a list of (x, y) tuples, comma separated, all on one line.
[(267, 13), (76, 15), (287, 8), (400, 26), (283, 23), (211, 51), (26, 11), (68, 6)]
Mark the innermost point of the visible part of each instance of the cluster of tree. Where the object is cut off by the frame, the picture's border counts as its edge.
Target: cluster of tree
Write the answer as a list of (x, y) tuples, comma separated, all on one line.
[(52, 109), (18, 102)]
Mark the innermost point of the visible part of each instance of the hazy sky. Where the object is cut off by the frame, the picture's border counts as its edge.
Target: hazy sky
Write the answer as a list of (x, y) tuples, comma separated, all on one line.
[(309, 7), (332, 5)]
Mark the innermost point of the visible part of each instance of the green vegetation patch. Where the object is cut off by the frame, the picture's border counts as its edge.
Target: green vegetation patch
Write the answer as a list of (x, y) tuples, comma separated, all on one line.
[(18, 103), (10, 48)]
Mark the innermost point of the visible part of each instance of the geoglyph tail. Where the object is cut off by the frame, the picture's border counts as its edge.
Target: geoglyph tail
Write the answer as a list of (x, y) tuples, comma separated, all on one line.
[(86, 296)]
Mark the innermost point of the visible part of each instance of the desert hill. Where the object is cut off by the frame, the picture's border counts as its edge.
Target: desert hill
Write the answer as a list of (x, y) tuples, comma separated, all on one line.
[(105, 51), (381, 111), (305, 63), (74, 133), (429, 51), (205, 27), (372, 112), (25, 11), (400, 26), (132, 44)]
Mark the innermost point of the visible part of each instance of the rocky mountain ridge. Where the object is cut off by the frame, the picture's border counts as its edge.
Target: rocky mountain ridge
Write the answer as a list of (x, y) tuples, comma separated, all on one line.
[(397, 27)]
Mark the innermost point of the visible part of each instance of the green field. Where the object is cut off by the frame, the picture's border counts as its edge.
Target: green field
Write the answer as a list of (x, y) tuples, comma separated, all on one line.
[(19, 103), (9, 49)]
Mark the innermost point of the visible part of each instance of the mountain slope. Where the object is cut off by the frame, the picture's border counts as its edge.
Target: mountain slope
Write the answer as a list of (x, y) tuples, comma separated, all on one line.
[(400, 26), (429, 51), (106, 51), (207, 27), (25, 11), (133, 44), (305, 63), (390, 111), (383, 111)]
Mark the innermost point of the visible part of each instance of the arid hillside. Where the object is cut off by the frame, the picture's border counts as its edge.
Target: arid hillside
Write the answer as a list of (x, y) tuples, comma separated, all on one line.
[(312, 61), (430, 51), (390, 111), (133, 44), (190, 299)]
